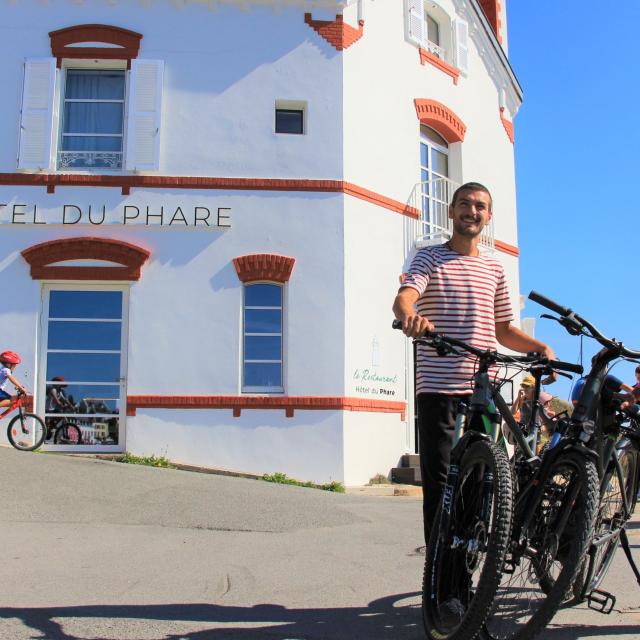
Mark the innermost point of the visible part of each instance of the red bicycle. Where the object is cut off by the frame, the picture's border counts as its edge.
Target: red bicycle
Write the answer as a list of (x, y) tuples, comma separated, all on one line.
[(27, 431)]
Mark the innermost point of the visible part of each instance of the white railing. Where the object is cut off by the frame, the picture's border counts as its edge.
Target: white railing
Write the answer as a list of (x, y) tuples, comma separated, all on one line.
[(432, 200), (104, 159), (437, 50)]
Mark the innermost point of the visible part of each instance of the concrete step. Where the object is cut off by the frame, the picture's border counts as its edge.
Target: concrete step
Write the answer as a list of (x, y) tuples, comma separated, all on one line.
[(410, 460), (406, 475)]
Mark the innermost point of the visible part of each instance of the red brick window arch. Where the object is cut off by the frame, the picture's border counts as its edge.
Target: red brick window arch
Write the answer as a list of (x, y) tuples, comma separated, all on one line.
[(90, 41), (436, 115), (264, 266), (47, 259)]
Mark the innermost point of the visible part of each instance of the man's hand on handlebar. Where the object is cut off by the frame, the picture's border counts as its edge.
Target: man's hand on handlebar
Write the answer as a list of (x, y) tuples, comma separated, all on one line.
[(415, 326)]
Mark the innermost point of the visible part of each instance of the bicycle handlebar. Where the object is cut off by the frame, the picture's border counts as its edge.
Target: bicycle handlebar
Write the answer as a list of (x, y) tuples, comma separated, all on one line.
[(494, 355), (575, 320)]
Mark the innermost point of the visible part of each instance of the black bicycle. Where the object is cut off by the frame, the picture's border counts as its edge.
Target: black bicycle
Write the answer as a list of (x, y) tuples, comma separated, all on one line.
[(470, 539)]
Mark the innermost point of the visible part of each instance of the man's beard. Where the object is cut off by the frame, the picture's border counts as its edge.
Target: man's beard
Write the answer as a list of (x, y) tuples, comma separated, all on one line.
[(462, 230)]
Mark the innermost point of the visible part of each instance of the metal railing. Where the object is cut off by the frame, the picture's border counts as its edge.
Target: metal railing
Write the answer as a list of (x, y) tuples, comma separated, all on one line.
[(432, 200), (435, 49), (90, 159)]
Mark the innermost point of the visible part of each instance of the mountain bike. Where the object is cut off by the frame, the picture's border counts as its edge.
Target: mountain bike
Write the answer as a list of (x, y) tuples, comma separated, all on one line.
[(27, 431), (616, 441), (472, 529), (557, 505)]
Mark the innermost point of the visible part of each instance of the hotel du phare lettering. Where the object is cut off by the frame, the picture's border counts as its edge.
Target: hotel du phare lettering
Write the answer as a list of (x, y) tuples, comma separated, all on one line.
[(141, 214)]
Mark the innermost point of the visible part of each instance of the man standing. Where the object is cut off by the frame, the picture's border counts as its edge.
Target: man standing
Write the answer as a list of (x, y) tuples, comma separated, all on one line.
[(453, 289)]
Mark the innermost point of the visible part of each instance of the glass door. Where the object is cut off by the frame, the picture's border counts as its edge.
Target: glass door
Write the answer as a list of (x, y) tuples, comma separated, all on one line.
[(82, 369)]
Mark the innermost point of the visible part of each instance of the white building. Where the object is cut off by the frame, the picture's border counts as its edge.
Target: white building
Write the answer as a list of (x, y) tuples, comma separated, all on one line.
[(206, 206)]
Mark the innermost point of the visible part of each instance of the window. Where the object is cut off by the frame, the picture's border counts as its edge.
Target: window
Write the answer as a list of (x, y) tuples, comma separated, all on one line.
[(83, 358), (431, 28), (93, 119), (262, 338), (434, 176), (109, 119), (289, 121)]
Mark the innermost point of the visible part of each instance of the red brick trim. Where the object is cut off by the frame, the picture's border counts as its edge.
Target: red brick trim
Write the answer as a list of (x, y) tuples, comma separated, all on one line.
[(439, 117), (491, 9), (336, 32), (288, 403), (508, 126), (427, 56), (127, 43), (507, 248), (40, 257), (195, 182), (264, 266)]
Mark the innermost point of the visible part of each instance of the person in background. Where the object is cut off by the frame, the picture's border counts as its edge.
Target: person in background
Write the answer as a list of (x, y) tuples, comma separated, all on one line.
[(57, 400), (9, 360)]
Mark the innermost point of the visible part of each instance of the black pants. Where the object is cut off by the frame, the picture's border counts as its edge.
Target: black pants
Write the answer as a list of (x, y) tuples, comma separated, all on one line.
[(436, 426)]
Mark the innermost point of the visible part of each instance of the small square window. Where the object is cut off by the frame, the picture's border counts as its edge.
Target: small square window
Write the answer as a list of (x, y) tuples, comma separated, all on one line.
[(290, 121)]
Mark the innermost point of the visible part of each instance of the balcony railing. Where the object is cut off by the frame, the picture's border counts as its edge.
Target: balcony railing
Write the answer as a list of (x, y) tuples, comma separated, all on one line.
[(432, 200), (435, 49), (90, 160)]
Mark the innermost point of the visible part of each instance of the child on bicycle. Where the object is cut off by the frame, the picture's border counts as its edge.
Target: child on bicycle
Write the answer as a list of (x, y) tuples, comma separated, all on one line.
[(9, 360)]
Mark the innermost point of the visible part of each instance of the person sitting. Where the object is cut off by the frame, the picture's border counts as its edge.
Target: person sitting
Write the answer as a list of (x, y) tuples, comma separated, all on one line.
[(57, 400)]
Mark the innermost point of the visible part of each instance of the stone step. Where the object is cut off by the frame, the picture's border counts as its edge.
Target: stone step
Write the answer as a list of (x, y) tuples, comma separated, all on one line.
[(410, 460), (406, 475)]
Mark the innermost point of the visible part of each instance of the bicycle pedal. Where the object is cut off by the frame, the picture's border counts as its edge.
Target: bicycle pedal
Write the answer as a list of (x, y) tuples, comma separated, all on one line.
[(509, 566), (601, 601)]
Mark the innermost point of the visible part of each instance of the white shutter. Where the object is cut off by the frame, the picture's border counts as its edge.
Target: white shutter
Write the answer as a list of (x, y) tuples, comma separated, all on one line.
[(143, 115), (36, 116), (415, 21), (462, 45)]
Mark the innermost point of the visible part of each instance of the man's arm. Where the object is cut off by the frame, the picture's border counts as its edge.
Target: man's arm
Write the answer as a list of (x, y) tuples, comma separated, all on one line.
[(413, 325), (517, 340)]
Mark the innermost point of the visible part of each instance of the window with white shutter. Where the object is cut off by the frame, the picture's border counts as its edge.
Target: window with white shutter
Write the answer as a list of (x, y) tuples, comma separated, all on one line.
[(415, 23), (462, 45), (144, 117), (36, 117)]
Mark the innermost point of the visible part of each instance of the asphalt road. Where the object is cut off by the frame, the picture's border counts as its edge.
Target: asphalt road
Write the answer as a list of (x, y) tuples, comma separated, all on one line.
[(99, 550)]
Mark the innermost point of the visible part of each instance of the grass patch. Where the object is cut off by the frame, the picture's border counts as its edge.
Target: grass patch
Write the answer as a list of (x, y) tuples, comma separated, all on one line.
[(148, 461), (281, 478)]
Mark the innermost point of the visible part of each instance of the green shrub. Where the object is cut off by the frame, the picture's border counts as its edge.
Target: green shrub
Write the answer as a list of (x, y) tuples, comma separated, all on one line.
[(281, 478), (149, 461)]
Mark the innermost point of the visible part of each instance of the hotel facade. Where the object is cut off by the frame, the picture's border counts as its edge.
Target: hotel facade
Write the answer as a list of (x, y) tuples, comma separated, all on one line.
[(207, 206)]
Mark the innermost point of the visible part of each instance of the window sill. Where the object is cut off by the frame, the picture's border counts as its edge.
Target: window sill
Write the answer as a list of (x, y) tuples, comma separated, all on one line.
[(438, 63)]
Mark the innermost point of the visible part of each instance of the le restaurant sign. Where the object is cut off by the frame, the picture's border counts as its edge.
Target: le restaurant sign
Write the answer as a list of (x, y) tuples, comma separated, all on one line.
[(179, 215)]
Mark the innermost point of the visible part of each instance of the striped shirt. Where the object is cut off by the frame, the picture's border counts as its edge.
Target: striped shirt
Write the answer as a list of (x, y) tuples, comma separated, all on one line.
[(464, 297)]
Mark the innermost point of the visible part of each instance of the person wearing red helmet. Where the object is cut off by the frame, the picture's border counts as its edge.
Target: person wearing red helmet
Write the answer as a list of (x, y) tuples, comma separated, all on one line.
[(9, 360)]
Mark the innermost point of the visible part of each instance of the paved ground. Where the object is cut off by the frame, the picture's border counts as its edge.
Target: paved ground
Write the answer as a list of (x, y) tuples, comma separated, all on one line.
[(99, 550)]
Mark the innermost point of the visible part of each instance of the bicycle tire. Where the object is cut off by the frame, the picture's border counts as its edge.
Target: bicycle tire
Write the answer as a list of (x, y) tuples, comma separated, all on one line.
[(544, 564), (610, 518), (26, 431), (67, 433), (480, 514)]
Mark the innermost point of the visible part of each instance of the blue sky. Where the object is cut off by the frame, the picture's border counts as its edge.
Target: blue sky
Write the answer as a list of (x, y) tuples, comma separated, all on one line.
[(577, 140)]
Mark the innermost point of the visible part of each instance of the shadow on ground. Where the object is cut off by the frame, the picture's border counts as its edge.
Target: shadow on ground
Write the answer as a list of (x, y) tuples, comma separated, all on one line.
[(394, 617)]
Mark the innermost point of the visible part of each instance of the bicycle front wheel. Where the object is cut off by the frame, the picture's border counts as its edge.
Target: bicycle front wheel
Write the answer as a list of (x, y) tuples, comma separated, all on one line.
[(465, 557), (542, 563), (68, 433), (26, 431), (611, 519)]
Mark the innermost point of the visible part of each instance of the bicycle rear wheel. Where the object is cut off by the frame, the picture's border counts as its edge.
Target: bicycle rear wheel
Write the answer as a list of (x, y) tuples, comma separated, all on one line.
[(464, 559), (26, 431), (68, 433), (543, 563)]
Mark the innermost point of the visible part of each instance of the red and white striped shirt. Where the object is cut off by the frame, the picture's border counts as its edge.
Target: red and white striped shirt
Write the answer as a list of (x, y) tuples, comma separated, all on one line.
[(464, 297)]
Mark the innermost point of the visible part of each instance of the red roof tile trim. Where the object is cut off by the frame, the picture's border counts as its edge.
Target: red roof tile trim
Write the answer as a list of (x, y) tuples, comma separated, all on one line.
[(289, 403), (40, 257), (125, 44), (441, 118), (336, 32), (264, 266), (491, 9), (508, 126), (427, 56)]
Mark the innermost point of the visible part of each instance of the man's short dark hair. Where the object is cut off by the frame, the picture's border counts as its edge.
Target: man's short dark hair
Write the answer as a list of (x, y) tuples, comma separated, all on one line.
[(638, 369), (472, 186)]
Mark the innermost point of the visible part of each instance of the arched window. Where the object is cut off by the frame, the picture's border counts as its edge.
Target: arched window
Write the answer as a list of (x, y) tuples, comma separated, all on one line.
[(434, 176)]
